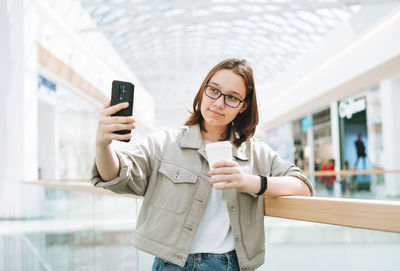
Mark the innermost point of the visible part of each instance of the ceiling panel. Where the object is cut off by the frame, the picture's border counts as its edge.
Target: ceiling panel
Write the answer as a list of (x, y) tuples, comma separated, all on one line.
[(171, 45)]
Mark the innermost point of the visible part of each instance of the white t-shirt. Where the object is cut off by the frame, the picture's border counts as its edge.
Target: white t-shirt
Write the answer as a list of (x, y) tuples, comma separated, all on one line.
[(214, 234)]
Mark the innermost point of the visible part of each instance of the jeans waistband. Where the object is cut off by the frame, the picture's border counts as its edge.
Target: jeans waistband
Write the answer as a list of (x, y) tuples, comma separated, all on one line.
[(212, 255)]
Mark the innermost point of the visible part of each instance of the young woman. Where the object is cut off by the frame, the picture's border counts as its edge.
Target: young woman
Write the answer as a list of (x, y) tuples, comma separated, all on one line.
[(186, 221)]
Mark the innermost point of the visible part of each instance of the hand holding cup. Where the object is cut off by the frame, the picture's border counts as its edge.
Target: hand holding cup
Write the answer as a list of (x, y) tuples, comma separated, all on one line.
[(218, 152)]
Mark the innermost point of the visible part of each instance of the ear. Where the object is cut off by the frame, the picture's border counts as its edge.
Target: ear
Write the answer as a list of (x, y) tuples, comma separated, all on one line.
[(244, 107)]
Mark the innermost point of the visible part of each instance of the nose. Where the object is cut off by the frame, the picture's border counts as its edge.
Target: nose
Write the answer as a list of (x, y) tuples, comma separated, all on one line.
[(220, 101)]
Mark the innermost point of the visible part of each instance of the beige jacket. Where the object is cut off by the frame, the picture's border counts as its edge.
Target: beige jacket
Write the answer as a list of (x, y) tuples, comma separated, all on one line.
[(170, 170)]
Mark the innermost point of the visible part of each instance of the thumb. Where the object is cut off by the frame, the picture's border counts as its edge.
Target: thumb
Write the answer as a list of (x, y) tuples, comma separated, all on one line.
[(106, 104)]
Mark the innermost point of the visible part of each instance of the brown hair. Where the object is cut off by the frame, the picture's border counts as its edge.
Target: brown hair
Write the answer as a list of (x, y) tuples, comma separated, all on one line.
[(244, 125)]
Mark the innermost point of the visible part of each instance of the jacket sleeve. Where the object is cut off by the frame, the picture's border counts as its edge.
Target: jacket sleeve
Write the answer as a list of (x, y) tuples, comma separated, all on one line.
[(135, 168), (281, 167)]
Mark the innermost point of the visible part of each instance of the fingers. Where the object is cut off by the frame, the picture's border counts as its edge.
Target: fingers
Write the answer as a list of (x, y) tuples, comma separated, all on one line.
[(108, 124), (223, 182), (106, 104), (224, 186), (108, 111), (117, 127), (122, 120), (224, 170), (225, 164), (113, 136), (221, 178)]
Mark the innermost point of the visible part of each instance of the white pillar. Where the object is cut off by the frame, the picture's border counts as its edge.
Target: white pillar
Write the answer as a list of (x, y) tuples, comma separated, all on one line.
[(335, 138), (390, 91), (335, 135), (48, 141), (18, 116), (311, 151)]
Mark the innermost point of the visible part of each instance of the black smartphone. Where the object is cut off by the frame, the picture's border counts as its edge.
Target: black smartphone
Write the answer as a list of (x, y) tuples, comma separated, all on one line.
[(122, 92)]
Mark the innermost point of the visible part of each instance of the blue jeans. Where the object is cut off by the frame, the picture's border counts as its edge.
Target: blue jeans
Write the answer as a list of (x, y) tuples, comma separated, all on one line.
[(201, 262)]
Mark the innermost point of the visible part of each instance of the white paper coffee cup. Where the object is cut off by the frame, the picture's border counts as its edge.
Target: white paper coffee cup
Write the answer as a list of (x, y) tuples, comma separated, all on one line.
[(218, 151)]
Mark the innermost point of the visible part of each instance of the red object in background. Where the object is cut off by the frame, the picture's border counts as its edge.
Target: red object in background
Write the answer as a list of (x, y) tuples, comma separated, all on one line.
[(328, 180)]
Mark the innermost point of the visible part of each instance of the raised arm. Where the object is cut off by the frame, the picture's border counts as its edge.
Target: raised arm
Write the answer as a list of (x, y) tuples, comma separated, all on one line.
[(107, 162)]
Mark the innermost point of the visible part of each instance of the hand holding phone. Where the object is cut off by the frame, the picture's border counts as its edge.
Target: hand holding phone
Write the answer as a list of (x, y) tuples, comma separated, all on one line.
[(116, 121), (122, 92)]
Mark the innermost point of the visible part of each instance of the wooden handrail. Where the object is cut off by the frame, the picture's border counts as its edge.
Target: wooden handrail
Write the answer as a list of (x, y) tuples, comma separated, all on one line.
[(307, 173), (367, 214), (321, 173), (77, 186)]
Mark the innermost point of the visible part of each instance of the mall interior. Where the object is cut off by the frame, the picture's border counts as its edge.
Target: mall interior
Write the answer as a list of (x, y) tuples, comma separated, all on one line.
[(327, 75)]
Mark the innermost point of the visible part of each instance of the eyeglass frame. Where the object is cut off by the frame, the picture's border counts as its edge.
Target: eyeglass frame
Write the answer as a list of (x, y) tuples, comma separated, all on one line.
[(222, 94)]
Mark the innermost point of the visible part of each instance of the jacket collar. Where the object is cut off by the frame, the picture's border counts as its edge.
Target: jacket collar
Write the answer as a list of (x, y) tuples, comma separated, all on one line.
[(193, 139)]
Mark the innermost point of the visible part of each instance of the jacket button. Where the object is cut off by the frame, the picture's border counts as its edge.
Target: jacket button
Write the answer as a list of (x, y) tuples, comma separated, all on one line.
[(233, 208), (237, 237), (176, 177)]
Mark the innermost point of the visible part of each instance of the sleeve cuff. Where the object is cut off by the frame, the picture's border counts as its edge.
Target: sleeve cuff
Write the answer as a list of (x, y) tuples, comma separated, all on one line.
[(115, 183), (303, 178)]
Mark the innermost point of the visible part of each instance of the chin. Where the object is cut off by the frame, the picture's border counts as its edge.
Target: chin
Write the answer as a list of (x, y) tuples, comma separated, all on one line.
[(215, 122)]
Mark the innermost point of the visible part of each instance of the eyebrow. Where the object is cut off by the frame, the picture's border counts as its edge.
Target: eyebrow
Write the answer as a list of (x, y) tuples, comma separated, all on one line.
[(228, 90)]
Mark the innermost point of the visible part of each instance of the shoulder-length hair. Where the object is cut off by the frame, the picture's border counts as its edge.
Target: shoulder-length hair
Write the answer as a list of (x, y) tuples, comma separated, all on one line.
[(244, 125)]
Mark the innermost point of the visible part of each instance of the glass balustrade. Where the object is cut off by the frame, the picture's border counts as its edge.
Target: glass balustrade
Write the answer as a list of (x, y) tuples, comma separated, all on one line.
[(362, 185), (89, 231)]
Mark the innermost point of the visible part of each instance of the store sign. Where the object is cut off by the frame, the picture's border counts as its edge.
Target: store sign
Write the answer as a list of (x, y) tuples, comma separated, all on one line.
[(43, 81), (350, 107), (306, 123)]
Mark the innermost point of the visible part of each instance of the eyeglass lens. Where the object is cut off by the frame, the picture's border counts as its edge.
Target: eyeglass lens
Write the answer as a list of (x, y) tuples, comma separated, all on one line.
[(215, 93)]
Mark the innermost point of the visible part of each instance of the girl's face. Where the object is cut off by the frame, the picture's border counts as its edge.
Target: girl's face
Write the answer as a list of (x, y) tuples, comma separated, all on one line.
[(215, 112)]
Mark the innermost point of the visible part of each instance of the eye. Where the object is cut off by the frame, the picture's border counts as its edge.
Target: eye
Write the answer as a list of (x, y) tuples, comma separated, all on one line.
[(233, 98), (214, 90)]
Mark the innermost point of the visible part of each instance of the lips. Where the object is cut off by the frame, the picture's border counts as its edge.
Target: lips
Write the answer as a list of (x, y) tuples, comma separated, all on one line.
[(216, 113)]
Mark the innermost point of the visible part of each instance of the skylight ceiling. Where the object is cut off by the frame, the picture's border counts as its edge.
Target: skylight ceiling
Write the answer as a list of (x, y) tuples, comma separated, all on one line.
[(171, 45)]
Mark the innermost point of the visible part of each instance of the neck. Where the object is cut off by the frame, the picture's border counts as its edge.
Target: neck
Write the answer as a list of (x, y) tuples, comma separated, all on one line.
[(214, 133)]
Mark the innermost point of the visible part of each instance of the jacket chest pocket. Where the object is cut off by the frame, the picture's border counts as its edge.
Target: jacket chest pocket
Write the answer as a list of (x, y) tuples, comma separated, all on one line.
[(174, 189)]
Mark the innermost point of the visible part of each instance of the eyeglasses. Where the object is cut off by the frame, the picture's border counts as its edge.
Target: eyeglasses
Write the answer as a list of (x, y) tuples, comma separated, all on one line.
[(229, 100)]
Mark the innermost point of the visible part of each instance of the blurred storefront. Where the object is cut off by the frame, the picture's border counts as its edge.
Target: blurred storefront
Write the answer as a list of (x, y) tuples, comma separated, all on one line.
[(351, 131), (322, 138), (312, 140), (66, 128)]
